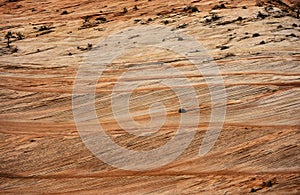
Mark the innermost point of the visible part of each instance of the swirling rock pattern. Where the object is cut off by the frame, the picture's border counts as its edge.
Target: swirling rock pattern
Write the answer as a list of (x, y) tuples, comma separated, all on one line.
[(257, 151)]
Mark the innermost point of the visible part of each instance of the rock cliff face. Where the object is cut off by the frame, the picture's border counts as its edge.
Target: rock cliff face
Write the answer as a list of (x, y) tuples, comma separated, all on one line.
[(255, 45)]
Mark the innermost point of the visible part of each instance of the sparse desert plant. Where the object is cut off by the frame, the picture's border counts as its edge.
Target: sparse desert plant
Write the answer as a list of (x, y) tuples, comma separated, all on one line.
[(15, 49), (135, 8), (20, 36), (8, 36)]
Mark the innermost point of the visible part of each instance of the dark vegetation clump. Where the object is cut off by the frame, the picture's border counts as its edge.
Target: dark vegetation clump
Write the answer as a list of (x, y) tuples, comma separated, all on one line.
[(14, 49), (137, 20), (222, 6), (20, 36), (9, 49), (239, 18), (8, 36), (89, 47), (269, 8), (182, 26), (181, 110), (255, 35), (262, 43), (190, 9), (135, 8), (166, 22), (297, 8), (88, 24), (267, 184), (11, 35), (291, 35), (252, 190), (261, 15), (180, 39), (259, 3), (44, 28), (229, 55), (213, 18), (64, 13), (223, 47), (101, 19), (264, 184)]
